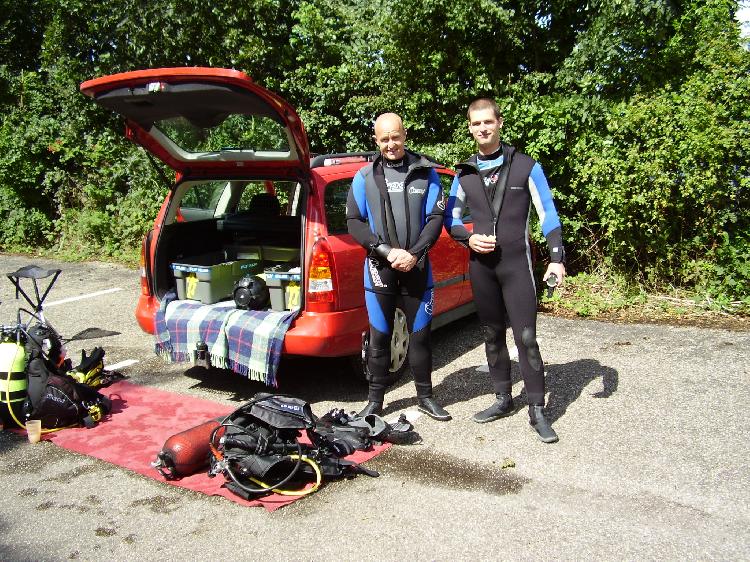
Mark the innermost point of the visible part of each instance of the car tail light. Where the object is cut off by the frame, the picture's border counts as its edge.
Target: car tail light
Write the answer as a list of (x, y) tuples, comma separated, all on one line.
[(145, 289), (320, 290)]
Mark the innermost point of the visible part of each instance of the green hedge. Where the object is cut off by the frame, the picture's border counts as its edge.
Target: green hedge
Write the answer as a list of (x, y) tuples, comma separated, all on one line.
[(638, 110)]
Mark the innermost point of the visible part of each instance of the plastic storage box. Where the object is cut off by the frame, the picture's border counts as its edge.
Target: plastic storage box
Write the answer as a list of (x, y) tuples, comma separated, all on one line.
[(283, 282), (209, 278)]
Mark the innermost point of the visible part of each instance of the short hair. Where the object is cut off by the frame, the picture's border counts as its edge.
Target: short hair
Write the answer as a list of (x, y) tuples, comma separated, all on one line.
[(484, 103)]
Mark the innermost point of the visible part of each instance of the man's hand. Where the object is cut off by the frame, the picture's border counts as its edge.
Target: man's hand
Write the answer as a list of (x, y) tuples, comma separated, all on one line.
[(482, 243), (556, 268), (401, 260)]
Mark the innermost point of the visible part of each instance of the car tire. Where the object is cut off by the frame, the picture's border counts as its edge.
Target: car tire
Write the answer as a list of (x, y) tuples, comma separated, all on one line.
[(399, 351)]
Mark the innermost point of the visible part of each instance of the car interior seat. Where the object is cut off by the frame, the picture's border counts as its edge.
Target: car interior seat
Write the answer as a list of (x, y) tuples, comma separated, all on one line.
[(263, 205)]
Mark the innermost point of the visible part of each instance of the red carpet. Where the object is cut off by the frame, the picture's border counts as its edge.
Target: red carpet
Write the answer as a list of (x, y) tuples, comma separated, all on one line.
[(142, 420)]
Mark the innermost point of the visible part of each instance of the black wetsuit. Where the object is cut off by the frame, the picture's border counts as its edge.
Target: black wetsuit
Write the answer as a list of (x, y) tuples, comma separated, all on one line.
[(397, 205), (499, 190)]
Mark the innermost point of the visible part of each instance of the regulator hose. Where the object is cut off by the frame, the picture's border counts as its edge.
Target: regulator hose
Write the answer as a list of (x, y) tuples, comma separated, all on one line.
[(266, 488), (304, 491)]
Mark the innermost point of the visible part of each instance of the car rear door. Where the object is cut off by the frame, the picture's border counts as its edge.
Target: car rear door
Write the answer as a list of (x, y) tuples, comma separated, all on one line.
[(207, 121)]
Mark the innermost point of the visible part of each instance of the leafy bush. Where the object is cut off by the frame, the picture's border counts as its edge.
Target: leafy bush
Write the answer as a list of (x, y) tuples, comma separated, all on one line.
[(638, 110)]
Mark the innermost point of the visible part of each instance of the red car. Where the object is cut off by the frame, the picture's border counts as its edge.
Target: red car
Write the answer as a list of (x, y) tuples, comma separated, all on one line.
[(245, 181)]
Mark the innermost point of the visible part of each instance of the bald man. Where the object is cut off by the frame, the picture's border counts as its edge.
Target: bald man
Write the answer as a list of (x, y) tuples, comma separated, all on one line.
[(395, 210)]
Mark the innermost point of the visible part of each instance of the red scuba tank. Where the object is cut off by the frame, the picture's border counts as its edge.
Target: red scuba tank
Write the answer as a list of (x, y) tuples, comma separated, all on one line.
[(187, 452)]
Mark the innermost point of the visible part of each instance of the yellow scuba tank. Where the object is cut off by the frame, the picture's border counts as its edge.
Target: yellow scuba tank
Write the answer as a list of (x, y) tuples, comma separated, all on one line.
[(13, 382)]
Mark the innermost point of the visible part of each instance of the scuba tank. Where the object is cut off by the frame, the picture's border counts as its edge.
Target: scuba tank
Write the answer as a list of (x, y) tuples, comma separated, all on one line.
[(13, 382), (187, 452)]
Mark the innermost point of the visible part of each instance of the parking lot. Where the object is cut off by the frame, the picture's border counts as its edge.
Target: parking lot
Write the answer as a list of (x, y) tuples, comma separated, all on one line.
[(651, 463)]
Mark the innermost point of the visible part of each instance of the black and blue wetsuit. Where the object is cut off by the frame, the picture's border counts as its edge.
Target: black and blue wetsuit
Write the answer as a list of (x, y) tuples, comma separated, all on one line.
[(397, 205), (499, 189)]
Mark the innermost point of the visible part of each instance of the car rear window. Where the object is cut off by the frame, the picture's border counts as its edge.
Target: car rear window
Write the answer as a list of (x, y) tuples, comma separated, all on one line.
[(203, 200), (241, 133)]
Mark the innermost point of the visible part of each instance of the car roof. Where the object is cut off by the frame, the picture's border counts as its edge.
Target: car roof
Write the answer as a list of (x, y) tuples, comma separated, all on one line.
[(335, 163)]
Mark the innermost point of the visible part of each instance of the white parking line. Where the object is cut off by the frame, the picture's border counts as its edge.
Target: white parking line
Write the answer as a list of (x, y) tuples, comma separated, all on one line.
[(81, 297), (122, 364)]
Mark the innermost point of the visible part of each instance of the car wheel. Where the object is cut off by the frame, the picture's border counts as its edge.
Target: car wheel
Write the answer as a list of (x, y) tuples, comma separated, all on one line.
[(399, 351)]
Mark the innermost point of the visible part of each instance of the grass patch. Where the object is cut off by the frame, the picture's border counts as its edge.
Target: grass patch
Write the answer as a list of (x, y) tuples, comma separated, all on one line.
[(604, 295)]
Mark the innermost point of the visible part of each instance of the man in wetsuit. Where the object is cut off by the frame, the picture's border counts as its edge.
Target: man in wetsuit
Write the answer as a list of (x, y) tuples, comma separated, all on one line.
[(395, 210), (499, 184)]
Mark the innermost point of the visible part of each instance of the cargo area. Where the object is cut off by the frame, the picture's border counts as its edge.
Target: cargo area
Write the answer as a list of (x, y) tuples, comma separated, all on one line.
[(225, 230)]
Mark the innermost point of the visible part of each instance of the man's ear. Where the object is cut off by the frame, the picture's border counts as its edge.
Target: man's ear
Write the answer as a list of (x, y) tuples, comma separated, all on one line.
[(500, 123)]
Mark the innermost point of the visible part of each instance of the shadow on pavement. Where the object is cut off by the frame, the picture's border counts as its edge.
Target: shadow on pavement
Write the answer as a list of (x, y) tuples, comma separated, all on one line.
[(332, 380), (312, 379), (565, 384)]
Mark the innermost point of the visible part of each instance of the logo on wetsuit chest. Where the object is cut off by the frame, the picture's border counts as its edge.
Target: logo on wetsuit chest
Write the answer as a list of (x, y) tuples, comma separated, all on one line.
[(416, 191), (489, 180), (395, 186)]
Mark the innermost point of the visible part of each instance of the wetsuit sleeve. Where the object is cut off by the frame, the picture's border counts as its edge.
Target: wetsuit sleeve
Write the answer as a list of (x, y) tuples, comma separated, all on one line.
[(454, 211), (544, 204), (357, 219), (433, 217)]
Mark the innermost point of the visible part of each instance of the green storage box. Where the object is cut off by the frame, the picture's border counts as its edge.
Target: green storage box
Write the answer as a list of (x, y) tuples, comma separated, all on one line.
[(283, 282), (210, 278), (266, 254)]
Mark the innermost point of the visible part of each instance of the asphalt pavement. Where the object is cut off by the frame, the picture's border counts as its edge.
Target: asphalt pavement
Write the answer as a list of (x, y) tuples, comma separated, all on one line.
[(651, 463)]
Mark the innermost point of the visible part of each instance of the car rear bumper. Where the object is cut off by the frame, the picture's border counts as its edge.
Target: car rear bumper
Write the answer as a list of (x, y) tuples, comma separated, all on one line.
[(318, 334), (326, 334)]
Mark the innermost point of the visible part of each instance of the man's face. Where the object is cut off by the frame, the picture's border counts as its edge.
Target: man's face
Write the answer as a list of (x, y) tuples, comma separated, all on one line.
[(390, 136), (485, 128)]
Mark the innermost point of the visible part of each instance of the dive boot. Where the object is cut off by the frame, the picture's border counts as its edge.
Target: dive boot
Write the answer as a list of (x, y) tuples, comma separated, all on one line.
[(372, 408), (541, 425), (502, 407), (433, 409)]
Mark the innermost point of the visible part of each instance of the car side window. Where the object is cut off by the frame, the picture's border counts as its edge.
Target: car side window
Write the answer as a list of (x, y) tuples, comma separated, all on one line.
[(446, 181), (335, 204)]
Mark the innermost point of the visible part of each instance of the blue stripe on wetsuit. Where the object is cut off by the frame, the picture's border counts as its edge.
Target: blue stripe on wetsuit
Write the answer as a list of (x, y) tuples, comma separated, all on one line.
[(358, 190), (424, 314), (455, 204), (434, 187), (375, 313), (541, 195)]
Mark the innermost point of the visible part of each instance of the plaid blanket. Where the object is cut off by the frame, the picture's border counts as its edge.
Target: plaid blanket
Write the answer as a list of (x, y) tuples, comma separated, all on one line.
[(246, 341)]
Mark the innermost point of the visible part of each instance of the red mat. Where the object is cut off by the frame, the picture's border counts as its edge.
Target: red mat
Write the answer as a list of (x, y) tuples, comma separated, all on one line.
[(142, 420)]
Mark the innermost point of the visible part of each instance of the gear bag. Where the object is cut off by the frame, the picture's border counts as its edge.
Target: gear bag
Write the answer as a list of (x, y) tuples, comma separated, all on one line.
[(66, 403), (259, 450), (55, 398)]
